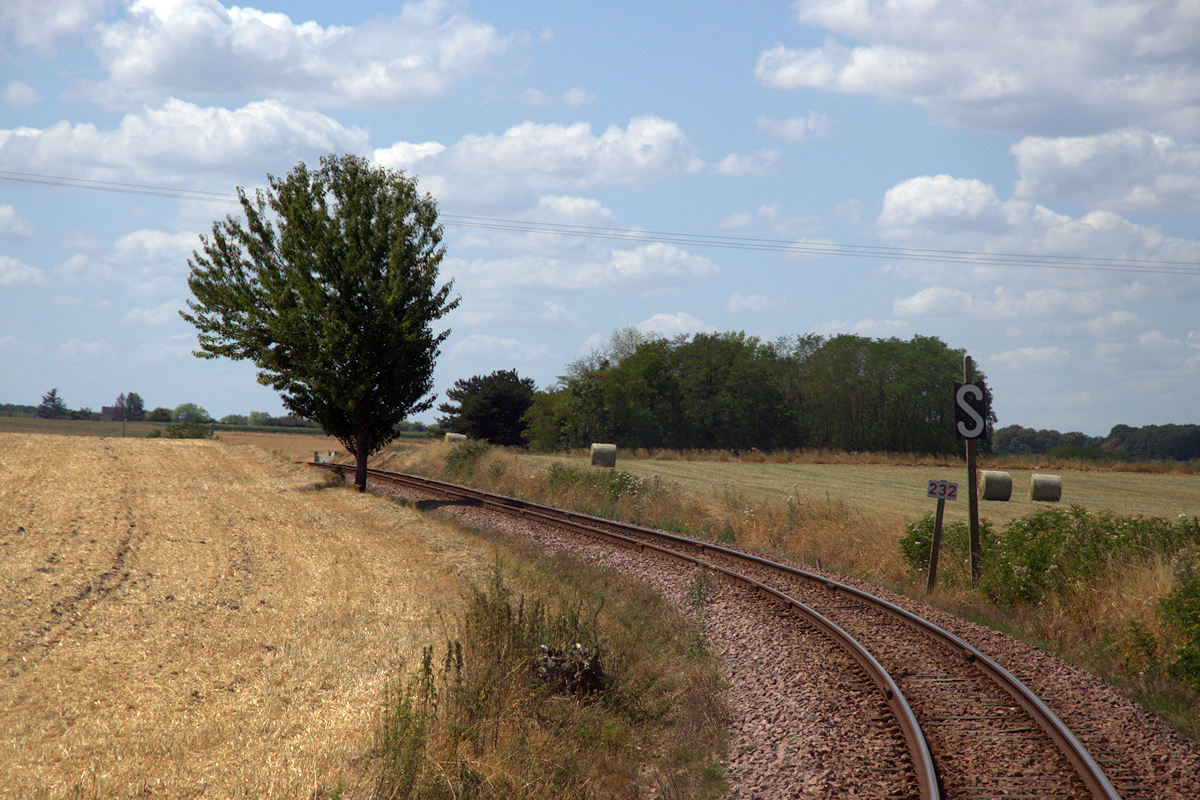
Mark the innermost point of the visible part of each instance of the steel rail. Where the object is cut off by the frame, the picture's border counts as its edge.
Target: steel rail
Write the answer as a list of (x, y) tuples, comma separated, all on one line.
[(923, 766), (1080, 759)]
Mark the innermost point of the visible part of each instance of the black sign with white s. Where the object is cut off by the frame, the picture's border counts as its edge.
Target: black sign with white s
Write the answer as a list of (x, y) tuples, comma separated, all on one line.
[(969, 411)]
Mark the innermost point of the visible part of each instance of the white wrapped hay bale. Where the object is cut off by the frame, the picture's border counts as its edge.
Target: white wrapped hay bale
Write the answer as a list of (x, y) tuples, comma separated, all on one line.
[(1045, 488), (455, 438), (604, 455), (996, 485)]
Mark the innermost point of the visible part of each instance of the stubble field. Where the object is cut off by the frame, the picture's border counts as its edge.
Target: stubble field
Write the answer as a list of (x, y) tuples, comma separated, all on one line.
[(198, 619), (901, 488)]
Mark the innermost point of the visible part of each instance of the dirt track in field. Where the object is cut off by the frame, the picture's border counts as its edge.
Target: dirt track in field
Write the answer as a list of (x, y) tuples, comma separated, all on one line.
[(197, 619)]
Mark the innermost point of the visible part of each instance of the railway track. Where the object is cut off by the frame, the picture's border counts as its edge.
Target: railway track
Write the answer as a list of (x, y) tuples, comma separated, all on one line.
[(970, 728)]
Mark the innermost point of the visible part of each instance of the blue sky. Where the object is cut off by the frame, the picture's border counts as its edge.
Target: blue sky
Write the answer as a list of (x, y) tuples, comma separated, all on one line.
[(1023, 137)]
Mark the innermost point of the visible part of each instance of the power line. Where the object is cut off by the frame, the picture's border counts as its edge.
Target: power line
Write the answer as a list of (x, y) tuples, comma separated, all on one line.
[(782, 246)]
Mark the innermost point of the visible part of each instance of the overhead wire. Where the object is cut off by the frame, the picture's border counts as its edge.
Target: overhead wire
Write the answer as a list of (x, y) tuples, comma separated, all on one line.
[(803, 247)]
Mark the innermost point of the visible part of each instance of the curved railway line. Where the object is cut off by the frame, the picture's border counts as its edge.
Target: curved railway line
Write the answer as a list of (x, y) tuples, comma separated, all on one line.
[(969, 727)]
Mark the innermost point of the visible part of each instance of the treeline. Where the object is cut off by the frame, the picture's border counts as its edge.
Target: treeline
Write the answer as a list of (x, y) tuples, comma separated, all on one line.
[(1123, 442), (736, 392)]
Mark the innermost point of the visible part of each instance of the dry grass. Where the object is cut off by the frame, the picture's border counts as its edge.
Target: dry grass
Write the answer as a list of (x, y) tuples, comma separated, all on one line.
[(724, 502), (186, 618)]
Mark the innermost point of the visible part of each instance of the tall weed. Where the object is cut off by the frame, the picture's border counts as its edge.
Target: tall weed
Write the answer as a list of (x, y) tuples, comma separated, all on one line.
[(489, 723)]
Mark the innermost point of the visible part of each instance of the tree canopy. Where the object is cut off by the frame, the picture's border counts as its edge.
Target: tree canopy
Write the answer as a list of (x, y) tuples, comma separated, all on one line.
[(329, 285), (190, 412), (1148, 442), (736, 392), (489, 407)]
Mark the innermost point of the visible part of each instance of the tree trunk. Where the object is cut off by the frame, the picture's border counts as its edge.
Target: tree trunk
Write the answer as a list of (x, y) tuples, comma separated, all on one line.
[(360, 460)]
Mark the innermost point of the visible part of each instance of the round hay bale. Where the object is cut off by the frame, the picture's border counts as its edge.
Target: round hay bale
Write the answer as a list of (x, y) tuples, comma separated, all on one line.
[(604, 455), (455, 438), (996, 485), (1045, 488)]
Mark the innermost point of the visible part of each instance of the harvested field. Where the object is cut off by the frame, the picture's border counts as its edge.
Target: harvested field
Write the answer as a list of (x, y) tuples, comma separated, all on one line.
[(902, 488), (198, 619), (293, 446)]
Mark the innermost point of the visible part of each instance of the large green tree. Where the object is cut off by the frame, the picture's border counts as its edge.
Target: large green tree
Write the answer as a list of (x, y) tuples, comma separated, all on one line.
[(329, 285), (489, 407)]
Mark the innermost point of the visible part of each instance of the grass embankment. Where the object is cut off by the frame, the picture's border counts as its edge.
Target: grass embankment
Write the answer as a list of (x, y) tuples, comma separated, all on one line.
[(1113, 592), (583, 685)]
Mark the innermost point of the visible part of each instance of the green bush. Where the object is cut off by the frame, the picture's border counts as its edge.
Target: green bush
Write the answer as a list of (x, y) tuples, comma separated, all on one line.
[(615, 483), (1180, 611), (955, 553), (464, 457), (1052, 552), (186, 430), (1057, 551)]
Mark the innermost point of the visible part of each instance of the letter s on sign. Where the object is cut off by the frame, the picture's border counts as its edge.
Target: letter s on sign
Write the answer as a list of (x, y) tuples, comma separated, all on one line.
[(975, 430)]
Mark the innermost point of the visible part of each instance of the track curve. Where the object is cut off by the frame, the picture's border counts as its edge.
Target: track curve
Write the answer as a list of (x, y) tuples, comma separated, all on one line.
[(960, 711)]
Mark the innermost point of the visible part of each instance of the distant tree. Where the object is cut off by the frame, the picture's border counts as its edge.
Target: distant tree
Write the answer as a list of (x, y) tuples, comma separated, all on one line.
[(489, 407), (330, 286), (159, 414), (84, 413), (52, 406), (189, 412), (17, 410), (135, 408), (118, 408), (234, 419), (260, 418), (546, 421)]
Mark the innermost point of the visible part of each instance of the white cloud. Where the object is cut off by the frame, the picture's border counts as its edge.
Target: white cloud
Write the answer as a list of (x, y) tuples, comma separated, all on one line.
[(165, 47), (572, 98), (180, 143), (653, 265), (46, 24), (772, 216), (154, 251), (1075, 67), (14, 272), (167, 312), (546, 157), (500, 348), (878, 328), (1033, 356), (81, 350), (552, 312), (736, 165), (670, 325), (81, 268), (1114, 323), (406, 155), (174, 349), (754, 303), (11, 223), (933, 301), (20, 94), (942, 202), (797, 130), (942, 212), (1126, 169)]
